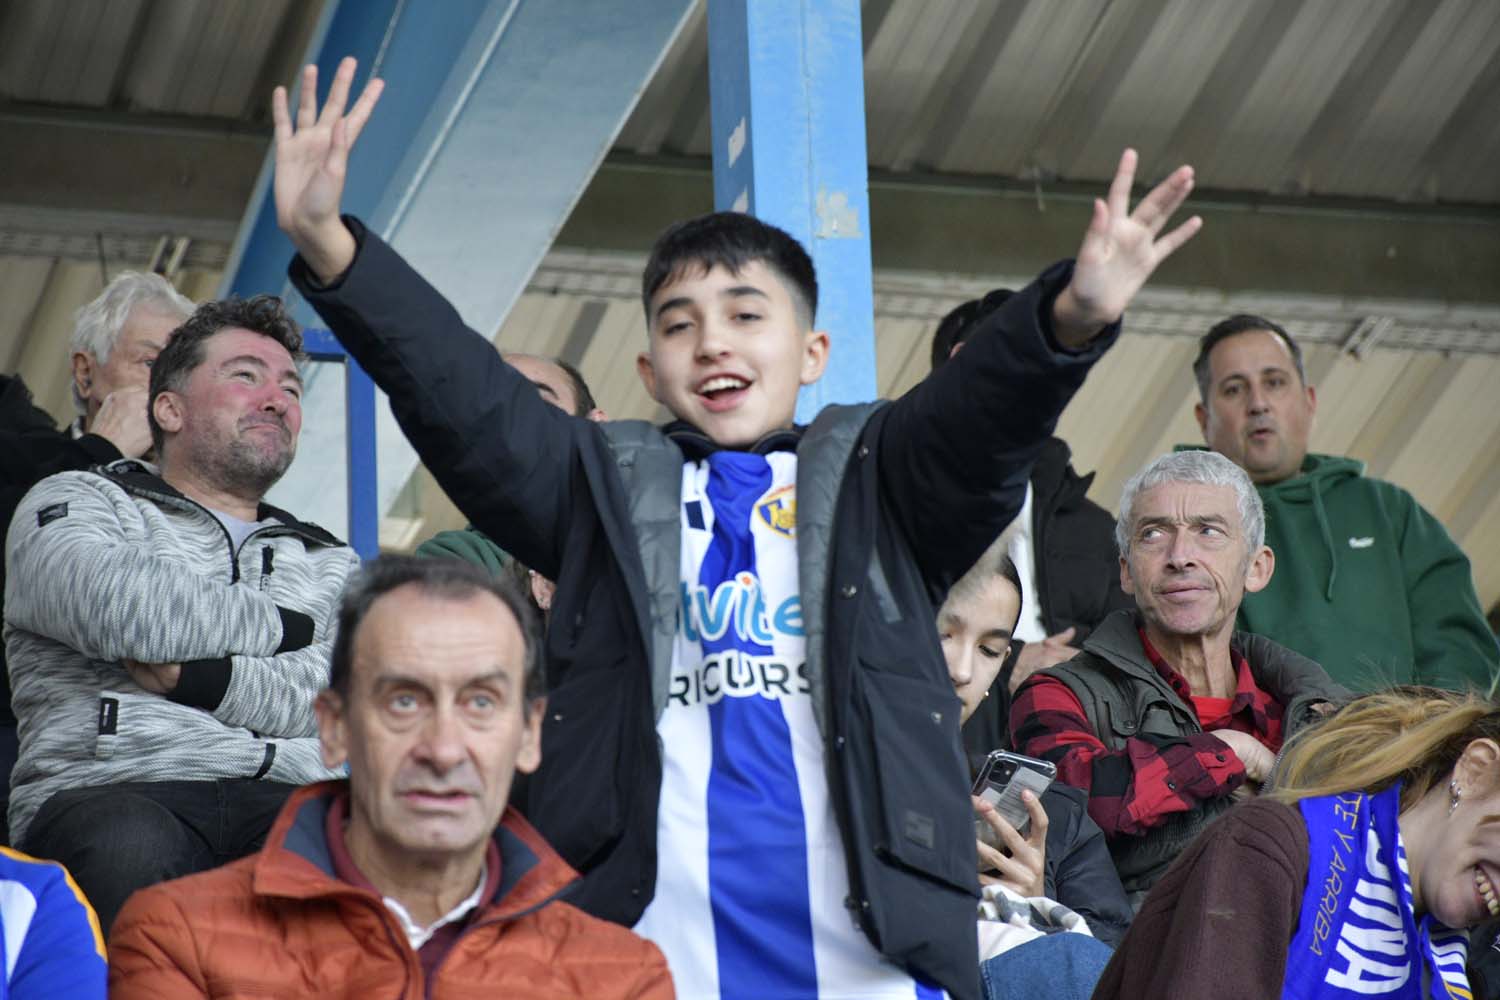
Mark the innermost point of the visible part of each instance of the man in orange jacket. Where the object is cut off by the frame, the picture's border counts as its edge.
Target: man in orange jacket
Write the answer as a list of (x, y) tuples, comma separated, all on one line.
[(411, 879)]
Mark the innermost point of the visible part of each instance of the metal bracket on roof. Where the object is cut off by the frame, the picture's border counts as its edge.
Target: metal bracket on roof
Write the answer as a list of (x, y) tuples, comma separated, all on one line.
[(166, 259), (1365, 335)]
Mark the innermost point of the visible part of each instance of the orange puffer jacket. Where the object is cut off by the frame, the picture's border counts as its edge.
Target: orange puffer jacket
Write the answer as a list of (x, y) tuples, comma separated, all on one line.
[(280, 924)]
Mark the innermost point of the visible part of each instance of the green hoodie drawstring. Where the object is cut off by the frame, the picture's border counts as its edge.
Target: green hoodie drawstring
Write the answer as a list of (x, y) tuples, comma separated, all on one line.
[(1333, 557)]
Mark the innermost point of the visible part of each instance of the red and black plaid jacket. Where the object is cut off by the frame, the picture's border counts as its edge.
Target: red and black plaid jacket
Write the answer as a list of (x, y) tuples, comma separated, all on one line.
[(1134, 789)]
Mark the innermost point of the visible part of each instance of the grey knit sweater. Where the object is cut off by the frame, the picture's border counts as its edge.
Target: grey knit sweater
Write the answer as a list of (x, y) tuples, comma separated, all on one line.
[(115, 564)]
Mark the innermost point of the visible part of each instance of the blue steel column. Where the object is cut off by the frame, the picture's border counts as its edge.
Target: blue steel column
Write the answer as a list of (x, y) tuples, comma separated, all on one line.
[(496, 115), (259, 257), (786, 81), (359, 421)]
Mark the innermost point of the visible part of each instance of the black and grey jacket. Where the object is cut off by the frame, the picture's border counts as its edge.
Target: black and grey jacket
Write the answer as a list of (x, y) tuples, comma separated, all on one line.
[(894, 502), (114, 564)]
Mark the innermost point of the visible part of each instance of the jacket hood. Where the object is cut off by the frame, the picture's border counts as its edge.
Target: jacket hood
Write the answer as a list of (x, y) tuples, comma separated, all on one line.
[(1318, 473), (144, 479), (469, 544), (697, 445)]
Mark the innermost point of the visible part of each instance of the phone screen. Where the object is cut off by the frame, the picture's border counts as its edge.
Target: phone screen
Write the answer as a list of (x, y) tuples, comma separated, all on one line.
[(1004, 777)]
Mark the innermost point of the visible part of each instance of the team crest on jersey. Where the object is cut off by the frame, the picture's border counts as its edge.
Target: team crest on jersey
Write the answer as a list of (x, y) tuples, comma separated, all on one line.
[(779, 510)]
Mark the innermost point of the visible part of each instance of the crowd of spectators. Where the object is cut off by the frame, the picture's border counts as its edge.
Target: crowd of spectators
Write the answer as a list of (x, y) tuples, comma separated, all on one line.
[(696, 710)]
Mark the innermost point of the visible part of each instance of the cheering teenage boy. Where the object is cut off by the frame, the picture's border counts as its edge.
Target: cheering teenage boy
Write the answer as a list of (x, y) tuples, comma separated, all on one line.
[(751, 740)]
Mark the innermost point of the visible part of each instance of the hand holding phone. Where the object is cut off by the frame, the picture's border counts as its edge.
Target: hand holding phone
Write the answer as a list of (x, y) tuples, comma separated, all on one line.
[(1011, 851), (1001, 782)]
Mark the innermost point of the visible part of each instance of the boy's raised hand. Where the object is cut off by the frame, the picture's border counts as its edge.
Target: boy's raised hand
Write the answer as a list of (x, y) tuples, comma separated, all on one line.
[(310, 164), (1120, 250)]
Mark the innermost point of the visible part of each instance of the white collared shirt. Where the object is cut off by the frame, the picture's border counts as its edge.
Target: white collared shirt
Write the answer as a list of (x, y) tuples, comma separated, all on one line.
[(417, 935)]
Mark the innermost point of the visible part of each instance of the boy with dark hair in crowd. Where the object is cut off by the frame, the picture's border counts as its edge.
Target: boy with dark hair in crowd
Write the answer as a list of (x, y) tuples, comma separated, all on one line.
[(751, 736)]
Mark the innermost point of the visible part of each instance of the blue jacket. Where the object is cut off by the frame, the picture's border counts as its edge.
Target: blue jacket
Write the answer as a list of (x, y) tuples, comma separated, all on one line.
[(54, 949)]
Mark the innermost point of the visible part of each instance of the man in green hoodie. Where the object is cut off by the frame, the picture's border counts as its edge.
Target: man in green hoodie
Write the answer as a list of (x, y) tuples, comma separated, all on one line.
[(1368, 583)]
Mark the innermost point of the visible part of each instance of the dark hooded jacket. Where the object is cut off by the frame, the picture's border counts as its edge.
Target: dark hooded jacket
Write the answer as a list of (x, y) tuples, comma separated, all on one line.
[(894, 502), (31, 449)]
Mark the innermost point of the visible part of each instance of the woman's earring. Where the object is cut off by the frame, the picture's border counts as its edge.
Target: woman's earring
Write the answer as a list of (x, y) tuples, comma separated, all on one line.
[(1453, 791)]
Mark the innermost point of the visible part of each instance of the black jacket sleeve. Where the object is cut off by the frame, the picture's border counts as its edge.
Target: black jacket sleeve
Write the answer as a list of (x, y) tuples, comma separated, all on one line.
[(31, 449), (504, 456), (956, 451), (1080, 874)]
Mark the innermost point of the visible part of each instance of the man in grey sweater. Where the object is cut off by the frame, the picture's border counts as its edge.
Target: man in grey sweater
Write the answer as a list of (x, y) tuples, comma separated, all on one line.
[(166, 629)]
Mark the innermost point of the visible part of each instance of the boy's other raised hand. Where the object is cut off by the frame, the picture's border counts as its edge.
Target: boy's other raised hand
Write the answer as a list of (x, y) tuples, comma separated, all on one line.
[(311, 160), (1120, 249)]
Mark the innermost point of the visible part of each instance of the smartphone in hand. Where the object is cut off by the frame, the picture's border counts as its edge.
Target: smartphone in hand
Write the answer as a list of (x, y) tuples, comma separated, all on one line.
[(1001, 780)]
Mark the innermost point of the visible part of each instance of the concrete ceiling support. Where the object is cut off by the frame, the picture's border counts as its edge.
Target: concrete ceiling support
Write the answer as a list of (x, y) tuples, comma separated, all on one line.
[(1253, 245), (189, 173)]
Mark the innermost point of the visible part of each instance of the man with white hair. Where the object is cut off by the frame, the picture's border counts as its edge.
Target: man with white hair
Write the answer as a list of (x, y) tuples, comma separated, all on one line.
[(1168, 714), (116, 337)]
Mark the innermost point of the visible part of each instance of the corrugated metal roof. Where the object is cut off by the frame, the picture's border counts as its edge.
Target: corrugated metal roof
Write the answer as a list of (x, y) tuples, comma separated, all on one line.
[(202, 58), (1389, 99)]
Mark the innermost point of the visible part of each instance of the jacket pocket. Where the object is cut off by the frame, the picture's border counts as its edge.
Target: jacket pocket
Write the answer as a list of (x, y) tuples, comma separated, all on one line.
[(1127, 722), (107, 727), (574, 798), (922, 819)]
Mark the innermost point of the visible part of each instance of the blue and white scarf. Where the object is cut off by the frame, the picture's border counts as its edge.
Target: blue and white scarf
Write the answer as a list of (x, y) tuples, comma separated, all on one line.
[(1358, 935)]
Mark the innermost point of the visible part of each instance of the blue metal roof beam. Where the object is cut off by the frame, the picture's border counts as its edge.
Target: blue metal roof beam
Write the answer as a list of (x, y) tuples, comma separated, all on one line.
[(495, 117)]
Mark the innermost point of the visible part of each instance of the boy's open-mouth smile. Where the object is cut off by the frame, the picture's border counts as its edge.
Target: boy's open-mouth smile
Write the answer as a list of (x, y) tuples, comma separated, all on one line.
[(722, 392)]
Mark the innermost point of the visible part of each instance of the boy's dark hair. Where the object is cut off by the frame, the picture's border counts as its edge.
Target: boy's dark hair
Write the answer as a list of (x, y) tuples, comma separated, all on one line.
[(452, 579), (586, 404), (1226, 328), (263, 314), (959, 323), (731, 240)]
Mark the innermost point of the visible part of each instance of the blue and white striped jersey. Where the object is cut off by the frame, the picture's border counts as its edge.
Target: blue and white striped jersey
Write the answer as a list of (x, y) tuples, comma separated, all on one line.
[(751, 876)]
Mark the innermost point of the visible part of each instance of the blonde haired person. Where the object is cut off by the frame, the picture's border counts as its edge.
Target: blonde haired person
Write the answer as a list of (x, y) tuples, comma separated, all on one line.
[(1355, 876)]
